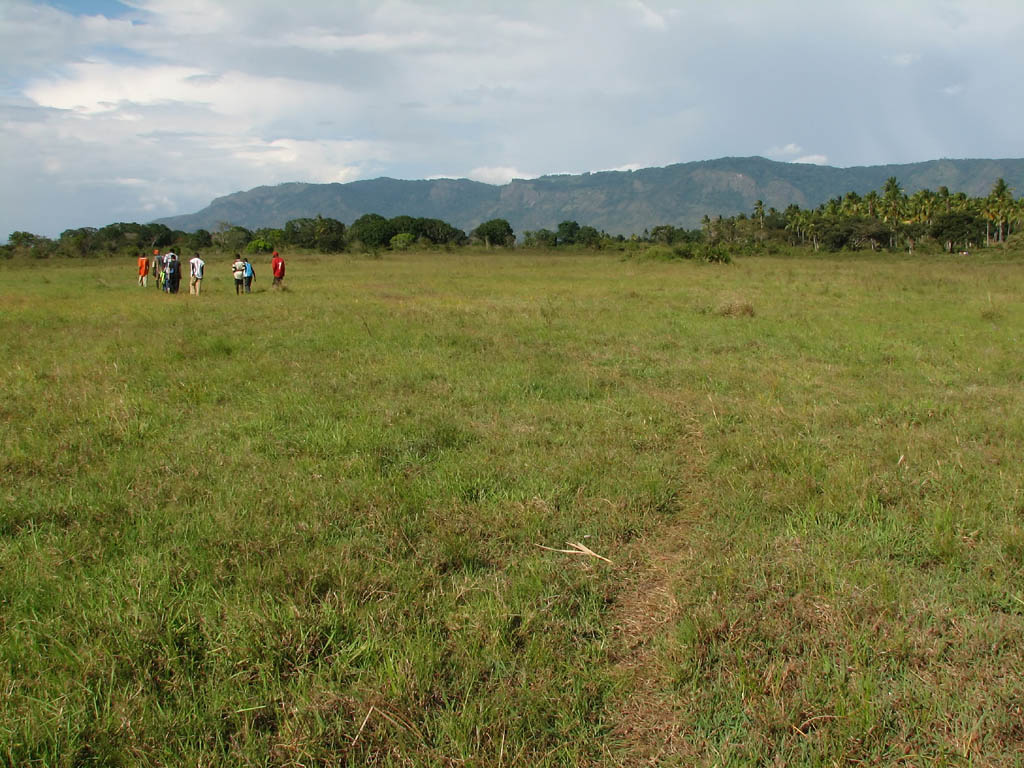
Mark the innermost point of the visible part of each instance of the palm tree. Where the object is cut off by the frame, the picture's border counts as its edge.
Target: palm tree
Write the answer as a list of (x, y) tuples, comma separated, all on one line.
[(759, 212), (999, 200), (851, 204), (871, 203), (922, 206)]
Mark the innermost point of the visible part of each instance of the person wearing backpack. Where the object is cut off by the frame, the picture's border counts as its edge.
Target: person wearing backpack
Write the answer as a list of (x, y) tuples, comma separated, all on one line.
[(248, 274), (157, 269), (172, 273)]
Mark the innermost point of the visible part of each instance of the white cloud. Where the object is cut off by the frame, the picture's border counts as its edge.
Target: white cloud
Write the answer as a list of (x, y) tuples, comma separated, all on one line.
[(317, 161), (96, 86), (903, 59), (789, 150), (646, 16), (99, 86), (794, 153), (316, 40), (198, 98), (498, 174)]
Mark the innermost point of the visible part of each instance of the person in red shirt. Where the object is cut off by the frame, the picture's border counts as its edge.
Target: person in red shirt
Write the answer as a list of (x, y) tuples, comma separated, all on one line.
[(143, 269), (277, 267)]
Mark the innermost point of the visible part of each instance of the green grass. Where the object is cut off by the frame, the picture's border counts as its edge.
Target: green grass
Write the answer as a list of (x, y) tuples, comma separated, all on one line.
[(302, 527)]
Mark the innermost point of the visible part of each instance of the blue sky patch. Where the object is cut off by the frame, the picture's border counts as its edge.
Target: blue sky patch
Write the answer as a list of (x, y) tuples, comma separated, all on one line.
[(110, 8)]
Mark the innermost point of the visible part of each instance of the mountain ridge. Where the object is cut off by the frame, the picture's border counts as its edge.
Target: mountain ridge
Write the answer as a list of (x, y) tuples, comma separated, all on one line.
[(619, 202)]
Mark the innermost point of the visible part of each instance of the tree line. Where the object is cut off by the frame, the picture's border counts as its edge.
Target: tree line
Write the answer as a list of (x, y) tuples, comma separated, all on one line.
[(885, 219), (370, 232)]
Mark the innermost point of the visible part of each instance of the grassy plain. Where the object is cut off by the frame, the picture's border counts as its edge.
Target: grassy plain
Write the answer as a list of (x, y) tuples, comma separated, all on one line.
[(302, 528)]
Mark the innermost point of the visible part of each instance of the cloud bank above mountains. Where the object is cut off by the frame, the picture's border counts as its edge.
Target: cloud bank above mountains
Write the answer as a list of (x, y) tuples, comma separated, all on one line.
[(116, 111)]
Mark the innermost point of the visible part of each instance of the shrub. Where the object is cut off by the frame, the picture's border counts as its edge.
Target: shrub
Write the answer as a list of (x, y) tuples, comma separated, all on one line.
[(715, 254), (402, 242), (259, 246), (659, 253)]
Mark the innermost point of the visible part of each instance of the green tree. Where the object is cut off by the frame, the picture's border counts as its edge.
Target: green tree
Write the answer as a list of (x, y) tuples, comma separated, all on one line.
[(25, 239), (567, 232), (79, 242), (439, 232), (233, 238), (259, 245), (997, 207), (329, 234), (407, 225), (200, 239), (957, 229), (495, 232), (372, 230), (541, 238), (300, 233), (892, 207), (665, 234), (402, 241), (589, 237)]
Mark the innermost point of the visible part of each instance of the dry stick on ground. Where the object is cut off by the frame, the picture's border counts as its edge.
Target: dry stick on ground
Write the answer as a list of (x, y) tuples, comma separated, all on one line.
[(365, 720), (580, 549), (394, 719)]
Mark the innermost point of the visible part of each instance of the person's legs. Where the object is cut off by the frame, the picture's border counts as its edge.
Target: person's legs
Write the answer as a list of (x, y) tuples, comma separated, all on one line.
[(248, 285), (199, 282)]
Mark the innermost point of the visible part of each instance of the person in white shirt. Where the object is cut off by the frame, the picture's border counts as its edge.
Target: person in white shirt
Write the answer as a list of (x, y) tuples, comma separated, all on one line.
[(196, 266), (238, 272)]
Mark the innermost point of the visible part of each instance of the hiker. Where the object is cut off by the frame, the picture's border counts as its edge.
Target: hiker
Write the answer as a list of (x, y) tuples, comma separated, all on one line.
[(167, 271), (143, 269), (277, 267), (248, 274), (238, 272), (157, 268), (196, 265), (173, 272)]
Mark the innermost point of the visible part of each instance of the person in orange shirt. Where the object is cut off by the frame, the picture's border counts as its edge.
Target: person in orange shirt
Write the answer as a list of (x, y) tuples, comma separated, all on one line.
[(143, 269)]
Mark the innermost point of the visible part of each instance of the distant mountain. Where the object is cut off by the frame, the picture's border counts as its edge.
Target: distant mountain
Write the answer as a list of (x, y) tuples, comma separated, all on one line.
[(615, 201)]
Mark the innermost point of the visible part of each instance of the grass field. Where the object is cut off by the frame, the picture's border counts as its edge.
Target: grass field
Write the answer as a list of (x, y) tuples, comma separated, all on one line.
[(305, 527)]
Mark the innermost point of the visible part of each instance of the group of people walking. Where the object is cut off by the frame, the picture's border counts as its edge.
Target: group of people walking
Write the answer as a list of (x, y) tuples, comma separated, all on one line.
[(167, 268)]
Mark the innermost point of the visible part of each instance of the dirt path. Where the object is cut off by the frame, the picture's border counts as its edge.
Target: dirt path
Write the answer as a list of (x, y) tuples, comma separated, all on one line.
[(645, 614), (645, 721)]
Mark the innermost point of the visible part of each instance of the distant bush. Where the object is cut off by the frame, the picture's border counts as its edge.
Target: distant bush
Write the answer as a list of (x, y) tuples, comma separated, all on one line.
[(660, 253), (402, 242), (714, 254), (259, 246)]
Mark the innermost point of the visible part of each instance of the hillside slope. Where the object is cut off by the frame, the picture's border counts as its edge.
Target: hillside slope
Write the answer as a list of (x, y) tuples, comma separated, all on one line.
[(615, 201)]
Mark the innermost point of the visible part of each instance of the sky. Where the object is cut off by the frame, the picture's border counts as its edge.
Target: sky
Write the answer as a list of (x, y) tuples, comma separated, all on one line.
[(130, 110)]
